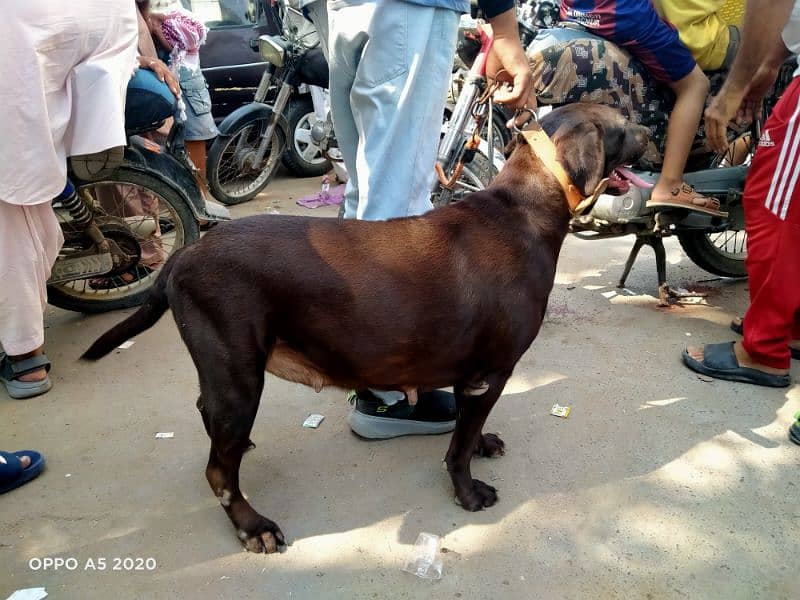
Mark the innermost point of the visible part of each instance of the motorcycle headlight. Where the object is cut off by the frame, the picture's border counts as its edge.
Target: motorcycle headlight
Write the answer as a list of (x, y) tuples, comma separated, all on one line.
[(272, 49)]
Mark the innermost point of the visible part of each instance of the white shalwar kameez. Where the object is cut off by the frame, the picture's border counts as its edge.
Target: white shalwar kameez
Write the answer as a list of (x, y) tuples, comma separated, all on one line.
[(65, 67)]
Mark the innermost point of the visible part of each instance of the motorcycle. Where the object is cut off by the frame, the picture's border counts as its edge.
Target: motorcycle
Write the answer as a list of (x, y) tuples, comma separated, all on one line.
[(120, 226), (253, 138), (282, 122), (715, 244)]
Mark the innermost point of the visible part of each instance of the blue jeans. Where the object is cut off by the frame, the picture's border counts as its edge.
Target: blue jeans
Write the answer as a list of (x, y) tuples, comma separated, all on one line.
[(148, 102), (390, 65)]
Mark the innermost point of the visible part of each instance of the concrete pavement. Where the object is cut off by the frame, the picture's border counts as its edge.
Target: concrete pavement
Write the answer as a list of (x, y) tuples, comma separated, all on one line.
[(658, 485)]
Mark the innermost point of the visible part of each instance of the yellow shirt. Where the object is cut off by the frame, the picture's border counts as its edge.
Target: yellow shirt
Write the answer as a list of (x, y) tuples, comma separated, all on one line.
[(703, 26)]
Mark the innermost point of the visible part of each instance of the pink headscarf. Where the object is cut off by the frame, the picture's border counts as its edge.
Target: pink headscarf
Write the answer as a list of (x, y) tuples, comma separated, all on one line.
[(186, 34)]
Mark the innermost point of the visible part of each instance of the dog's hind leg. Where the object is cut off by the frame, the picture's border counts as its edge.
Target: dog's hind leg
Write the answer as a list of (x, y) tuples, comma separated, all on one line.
[(472, 410), (229, 403)]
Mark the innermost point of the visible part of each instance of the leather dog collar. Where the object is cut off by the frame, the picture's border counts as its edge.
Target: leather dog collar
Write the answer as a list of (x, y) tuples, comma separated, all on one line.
[(545, 149)]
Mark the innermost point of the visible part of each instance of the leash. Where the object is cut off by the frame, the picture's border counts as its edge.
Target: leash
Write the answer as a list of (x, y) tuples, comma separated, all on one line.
[(481, 109), (544, 148)]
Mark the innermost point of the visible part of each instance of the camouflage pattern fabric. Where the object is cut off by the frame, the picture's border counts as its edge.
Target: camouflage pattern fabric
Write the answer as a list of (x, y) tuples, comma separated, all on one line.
[(593, 70)]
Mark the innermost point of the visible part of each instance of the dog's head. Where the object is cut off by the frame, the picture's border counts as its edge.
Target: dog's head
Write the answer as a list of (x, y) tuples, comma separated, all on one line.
[(591, 141)]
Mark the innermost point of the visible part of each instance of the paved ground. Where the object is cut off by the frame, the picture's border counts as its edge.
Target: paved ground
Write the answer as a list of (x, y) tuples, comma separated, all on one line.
[(658, 485)]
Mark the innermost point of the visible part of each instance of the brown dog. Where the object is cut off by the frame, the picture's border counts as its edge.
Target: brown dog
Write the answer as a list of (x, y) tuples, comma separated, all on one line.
[(454, 297)]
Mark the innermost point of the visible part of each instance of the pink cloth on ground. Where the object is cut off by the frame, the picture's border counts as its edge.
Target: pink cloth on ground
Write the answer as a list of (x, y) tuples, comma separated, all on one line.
[(335, 195)]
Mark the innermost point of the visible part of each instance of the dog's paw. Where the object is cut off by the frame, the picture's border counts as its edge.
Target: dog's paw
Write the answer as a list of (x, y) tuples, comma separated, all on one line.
[(266, 537), (481, 495), (491, 446)]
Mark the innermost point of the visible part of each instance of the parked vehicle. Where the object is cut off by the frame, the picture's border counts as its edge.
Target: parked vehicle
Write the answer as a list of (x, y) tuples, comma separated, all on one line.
[(716, 244), (150, 205), (252, 139), (230, 66), (463, 163), (233, 69)]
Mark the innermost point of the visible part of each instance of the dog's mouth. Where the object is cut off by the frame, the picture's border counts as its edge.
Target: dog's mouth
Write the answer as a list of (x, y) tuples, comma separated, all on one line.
[(621, 179)]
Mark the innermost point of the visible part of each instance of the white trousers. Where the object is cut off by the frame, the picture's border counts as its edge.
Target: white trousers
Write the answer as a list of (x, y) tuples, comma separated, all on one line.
[(30, 239)]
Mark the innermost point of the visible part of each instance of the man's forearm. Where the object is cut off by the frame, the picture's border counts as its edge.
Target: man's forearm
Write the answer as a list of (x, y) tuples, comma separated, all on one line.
[(764, 21), (505, 24)]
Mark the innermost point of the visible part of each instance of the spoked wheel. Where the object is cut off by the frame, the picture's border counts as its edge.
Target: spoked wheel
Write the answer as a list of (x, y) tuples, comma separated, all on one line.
[(476, 176), (234, 173), (724, 252), (147, 220)]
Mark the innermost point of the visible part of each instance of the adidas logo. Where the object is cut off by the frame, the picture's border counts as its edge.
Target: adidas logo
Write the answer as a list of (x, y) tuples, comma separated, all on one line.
[(766, 140)]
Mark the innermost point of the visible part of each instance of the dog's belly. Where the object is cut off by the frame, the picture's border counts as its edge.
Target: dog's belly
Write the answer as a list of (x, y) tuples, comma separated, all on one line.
[(289, 364)]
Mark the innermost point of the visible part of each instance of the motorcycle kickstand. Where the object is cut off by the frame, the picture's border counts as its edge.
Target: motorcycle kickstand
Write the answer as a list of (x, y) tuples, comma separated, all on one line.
[(666, 295)]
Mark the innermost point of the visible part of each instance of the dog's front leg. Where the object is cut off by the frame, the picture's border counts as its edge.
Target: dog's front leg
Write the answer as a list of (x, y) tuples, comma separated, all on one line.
[(472, 410)]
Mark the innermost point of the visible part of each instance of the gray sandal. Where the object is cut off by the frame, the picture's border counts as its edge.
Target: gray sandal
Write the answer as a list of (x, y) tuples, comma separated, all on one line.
[(11, 370)]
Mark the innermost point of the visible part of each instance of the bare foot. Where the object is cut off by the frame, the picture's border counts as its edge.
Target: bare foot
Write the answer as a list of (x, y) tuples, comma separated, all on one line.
[(24, 460), (744, 359)]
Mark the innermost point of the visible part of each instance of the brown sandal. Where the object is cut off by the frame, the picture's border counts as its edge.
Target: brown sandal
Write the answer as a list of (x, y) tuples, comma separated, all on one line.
[(685, 196)]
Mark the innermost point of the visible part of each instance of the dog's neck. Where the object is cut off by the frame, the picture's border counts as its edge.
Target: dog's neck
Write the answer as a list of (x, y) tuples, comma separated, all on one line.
[(540, 144), (526, 181), (529, 180)]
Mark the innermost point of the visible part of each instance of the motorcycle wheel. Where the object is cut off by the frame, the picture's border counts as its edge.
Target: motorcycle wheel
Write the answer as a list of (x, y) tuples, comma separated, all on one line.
[(302, 157), (724, 252), (476, 176), (114, 197), (232, 176)]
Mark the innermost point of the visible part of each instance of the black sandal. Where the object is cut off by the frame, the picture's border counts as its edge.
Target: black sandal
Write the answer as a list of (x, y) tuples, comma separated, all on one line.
[(719, 362)]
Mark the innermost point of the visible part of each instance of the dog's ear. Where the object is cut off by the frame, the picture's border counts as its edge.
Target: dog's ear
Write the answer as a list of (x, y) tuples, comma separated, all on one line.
[(582, 153)]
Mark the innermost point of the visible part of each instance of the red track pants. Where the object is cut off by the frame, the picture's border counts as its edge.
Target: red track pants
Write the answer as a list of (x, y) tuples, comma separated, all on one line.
[(772, 220)]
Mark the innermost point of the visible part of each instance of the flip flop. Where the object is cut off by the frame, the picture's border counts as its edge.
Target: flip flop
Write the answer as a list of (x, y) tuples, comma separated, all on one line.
[(685, 196), (719, 361), (12, 475), (739, 328), (11, 370), (794, 430)]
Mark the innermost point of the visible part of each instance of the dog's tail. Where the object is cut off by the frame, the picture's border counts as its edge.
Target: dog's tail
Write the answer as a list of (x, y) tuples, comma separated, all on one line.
[(148, 314)]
